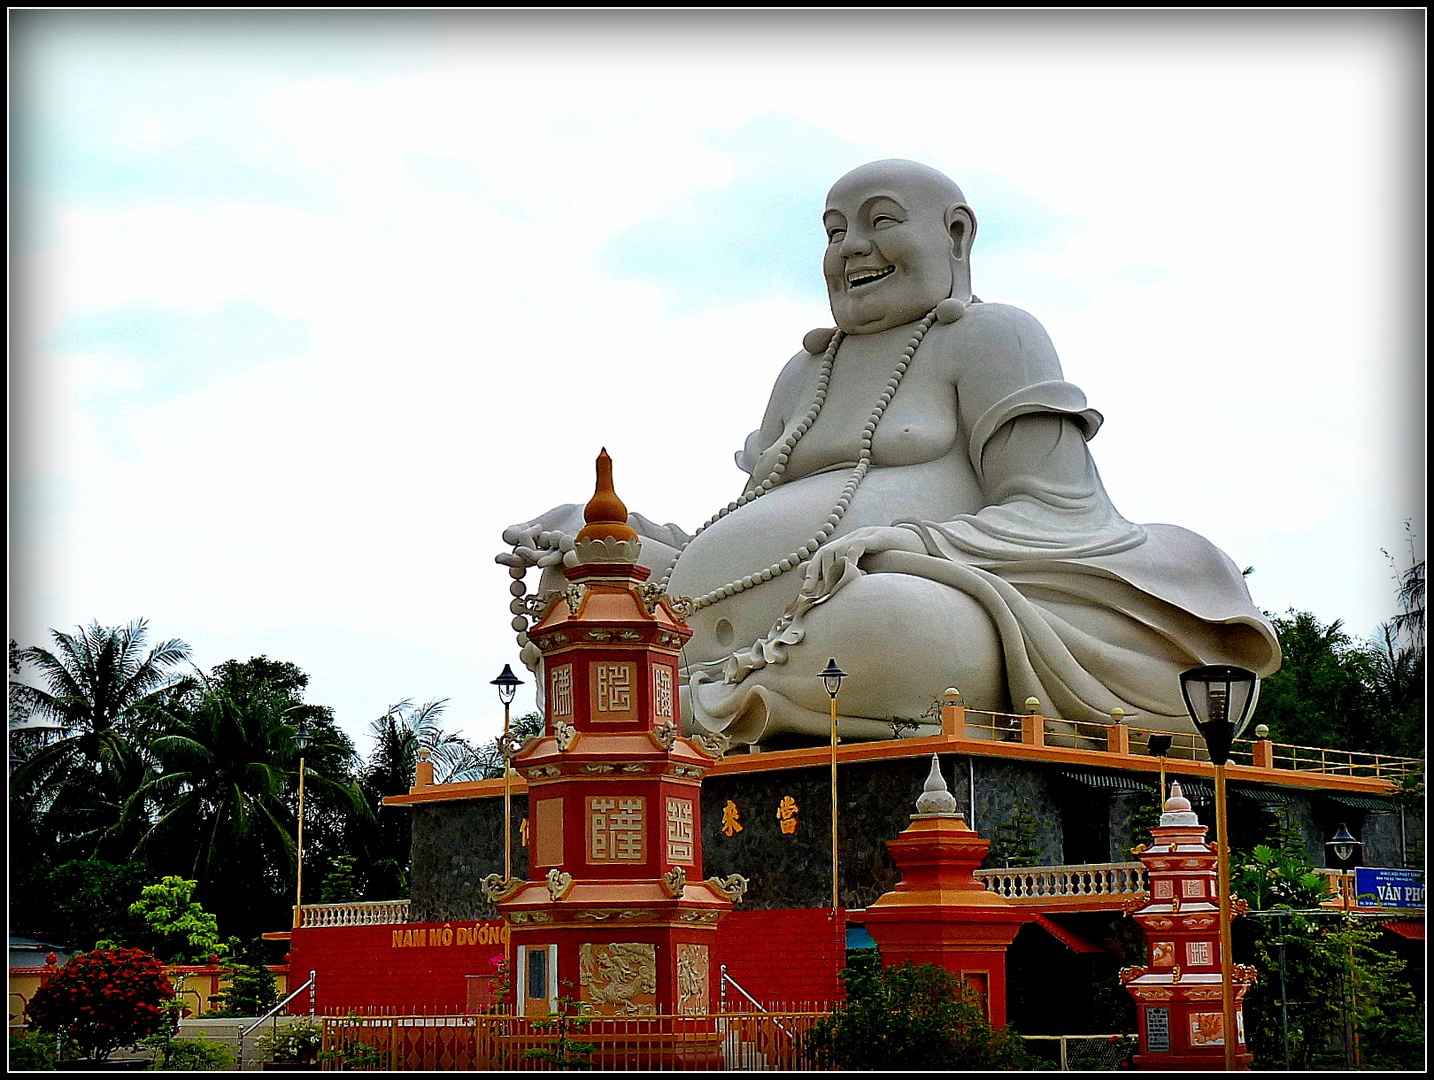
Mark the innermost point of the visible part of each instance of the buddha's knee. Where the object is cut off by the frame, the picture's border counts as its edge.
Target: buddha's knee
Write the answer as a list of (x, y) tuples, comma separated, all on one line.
[(903, 640)]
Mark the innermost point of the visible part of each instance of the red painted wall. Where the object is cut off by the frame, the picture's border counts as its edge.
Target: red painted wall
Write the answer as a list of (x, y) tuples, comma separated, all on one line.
[(782, 957), (419, 967)]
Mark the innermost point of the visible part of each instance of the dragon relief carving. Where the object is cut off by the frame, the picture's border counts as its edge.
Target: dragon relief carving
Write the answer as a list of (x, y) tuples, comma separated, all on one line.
[(666, 734), (566, 735), (651, 595), (574, 594), (620, 974)]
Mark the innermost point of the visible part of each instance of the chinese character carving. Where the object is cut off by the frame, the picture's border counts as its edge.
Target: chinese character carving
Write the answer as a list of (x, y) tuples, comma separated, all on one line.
[(616, 829), (787, 814), (679, 830), (731, 819)]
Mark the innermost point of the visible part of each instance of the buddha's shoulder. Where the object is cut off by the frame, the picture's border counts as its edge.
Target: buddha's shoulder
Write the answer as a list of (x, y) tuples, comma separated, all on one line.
[(999, 327)]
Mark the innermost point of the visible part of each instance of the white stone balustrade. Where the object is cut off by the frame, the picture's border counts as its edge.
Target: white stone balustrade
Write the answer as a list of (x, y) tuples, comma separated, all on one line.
[(1094, 879), (363, 913)]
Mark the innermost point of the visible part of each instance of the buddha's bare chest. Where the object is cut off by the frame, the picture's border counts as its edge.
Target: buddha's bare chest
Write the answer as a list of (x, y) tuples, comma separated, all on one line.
[(916, 424)]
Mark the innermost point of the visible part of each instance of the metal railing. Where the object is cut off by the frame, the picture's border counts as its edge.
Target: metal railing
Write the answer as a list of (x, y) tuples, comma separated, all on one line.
[(765, 1041), (1085, 879), (1082, 1051), (364, 913)]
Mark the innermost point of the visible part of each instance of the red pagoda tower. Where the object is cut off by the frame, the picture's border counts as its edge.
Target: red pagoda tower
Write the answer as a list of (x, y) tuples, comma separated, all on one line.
[(615, 913), (1178, 996)]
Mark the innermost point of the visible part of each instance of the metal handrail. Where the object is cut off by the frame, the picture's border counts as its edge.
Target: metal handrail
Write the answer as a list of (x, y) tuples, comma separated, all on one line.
[(722, 995), (313, 976)]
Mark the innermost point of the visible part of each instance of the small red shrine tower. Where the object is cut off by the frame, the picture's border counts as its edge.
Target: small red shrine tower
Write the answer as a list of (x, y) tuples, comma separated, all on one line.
[(615, 914), (1178, 996), (939, 912)]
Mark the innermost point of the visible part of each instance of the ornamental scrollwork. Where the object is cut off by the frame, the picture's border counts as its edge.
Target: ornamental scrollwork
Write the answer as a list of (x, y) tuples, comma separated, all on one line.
[(574, 594), (651, 594), (733, 886), (559, 882), (566, 734), (713, 744), (674, 881), (666, 734), (681, 606), (497, 888)]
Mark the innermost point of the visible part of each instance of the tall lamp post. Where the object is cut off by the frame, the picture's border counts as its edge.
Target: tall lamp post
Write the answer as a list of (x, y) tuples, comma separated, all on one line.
[(507, 684), (1219, 697), (1159, 746), (301, 740), (831, 679)]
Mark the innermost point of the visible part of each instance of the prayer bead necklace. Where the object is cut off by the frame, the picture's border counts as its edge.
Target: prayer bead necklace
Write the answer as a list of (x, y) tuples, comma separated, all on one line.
[(779, 467)]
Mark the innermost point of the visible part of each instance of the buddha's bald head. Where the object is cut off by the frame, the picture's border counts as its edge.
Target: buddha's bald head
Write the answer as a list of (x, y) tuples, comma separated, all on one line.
[(918, 180), (899, 239)]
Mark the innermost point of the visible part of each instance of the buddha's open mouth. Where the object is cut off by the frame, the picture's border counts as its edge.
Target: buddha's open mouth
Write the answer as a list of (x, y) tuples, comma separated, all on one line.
[(857, 278)]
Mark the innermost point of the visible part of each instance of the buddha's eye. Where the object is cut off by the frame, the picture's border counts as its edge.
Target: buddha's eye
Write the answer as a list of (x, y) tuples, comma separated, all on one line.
[(885, 221), (834, 235)]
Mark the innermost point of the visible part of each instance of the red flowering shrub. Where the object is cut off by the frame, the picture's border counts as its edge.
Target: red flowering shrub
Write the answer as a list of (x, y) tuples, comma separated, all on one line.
[(105, 999)]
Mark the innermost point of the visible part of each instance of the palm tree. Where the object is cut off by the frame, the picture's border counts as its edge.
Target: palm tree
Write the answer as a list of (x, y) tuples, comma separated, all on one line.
[(99, 686), (228, 782), (400, 734)]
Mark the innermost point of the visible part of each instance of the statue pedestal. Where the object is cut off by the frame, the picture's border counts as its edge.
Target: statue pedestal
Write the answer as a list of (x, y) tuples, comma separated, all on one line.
[(941, 914)]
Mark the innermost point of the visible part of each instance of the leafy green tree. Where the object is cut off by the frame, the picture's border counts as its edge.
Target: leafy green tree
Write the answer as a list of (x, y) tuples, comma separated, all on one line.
[(910, 1017), (340, 883), (1322, 976), (175, 927), (104, 999), (252, 988), (92, 899), (97, 684)]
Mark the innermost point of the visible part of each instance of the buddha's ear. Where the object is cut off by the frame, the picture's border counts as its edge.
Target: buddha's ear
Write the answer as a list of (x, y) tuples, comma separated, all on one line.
[(961, 225)]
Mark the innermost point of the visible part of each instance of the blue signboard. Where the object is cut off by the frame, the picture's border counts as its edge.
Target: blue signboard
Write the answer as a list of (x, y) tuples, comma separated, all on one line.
[(1381, 887)]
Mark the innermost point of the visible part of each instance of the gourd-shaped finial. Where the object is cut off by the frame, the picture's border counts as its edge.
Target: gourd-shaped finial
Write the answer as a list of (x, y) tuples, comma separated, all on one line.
[(935, 797), (607, 537)]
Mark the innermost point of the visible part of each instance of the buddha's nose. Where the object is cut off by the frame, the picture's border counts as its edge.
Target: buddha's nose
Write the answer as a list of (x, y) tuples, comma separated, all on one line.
[(852, 244)]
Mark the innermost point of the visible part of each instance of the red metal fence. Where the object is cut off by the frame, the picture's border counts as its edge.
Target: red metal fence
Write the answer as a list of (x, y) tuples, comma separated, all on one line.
[(757, 1041)]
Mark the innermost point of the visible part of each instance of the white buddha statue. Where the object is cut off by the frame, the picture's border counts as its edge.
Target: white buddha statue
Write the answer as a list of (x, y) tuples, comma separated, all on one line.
[(922, 506)]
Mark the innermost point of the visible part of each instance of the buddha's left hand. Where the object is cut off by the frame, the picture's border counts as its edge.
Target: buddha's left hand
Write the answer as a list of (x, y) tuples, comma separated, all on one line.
[(835, 560)]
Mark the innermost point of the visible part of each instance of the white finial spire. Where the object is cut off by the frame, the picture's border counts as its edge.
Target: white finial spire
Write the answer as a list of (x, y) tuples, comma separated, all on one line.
[(935, 797)]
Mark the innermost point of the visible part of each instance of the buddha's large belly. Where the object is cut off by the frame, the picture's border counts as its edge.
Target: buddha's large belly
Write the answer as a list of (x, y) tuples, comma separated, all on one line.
[(767, 530)]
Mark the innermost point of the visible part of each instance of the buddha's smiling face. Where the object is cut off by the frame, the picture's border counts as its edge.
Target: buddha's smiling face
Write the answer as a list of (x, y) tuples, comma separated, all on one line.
[(889, 249)]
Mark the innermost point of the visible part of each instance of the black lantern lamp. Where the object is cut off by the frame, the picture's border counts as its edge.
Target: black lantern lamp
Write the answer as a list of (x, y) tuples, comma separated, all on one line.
[(302, 737), (1343, 846), (507, 684), (1219, 698), (832, 677)]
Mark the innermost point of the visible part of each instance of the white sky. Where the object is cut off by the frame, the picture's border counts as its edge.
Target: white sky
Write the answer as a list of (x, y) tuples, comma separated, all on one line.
[(306, 308)]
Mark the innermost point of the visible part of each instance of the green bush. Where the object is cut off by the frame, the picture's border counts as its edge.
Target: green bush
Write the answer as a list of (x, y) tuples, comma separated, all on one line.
[(31, 1051), (189, 1055), (911, 1017), (293, 1042)]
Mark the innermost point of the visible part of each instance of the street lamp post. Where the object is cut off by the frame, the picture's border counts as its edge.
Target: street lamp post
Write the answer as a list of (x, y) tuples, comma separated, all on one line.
[(507, 684), (1159, 746), (1219, 697), (831, 679), (301, 740)]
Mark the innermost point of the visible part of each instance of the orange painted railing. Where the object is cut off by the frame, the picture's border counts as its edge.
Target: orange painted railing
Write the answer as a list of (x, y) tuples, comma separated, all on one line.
[(1037, 730), (761, 1042)]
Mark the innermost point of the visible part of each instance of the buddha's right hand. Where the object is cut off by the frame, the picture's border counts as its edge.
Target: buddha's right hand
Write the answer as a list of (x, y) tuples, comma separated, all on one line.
[(544, 540), (836, 561)]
